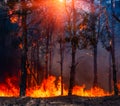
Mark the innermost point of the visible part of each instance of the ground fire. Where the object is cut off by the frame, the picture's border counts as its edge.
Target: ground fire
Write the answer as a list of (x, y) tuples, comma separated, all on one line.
[(48, 88)]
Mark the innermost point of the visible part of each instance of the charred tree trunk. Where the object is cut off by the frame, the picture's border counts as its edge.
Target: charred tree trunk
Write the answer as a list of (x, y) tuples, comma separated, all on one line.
[(114, 73), (38, 64), (61, 64), (110, 79), (113, 54), (24, 56), (34, 62), (73, 44), (50, 62), (50, 53), (72, 71), (94, 44), (95, 38), (95, 80)]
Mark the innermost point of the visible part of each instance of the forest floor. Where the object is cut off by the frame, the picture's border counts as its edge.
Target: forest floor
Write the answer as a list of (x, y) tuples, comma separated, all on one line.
[(61, 101)]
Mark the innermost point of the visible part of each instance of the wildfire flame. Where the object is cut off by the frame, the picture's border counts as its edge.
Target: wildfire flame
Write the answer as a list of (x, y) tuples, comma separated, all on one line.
[(49, 88), (93, 92), (14, 19), (8, 88), (118, 85)]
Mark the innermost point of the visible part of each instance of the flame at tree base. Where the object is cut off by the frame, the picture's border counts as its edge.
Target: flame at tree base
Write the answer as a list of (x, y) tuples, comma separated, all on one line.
[(49, 88)]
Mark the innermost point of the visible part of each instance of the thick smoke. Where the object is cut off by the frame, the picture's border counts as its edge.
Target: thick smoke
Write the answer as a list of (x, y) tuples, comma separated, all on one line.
[(84, 69)]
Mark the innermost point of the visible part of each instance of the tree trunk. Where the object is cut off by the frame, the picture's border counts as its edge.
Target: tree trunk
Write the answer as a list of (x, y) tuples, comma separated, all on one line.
[(110, 79), (95, 80), (113, 55), (73, 44), (50, 52), (61, 64), (114, 73), (72, 71), (24, 57)]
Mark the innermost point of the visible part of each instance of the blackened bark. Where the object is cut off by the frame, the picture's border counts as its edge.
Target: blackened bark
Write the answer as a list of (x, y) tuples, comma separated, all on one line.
[(95, 80), (110, 79), (114, 73), (50, 53), (114, 69), (116, 17), (73, 44), (113, 54), (61, 64), (50, 62), (24, 57), (72, 71)]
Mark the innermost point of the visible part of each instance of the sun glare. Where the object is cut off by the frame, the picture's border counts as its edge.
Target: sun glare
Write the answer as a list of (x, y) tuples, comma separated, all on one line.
[(61, 0)]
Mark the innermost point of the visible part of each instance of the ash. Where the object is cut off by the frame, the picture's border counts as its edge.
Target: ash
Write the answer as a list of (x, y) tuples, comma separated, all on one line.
[(61, 101)]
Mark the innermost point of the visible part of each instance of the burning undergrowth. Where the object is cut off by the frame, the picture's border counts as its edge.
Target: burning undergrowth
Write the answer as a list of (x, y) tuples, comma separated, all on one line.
[(49, 87)]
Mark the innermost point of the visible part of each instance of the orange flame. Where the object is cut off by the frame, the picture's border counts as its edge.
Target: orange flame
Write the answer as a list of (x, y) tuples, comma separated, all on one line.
[(49, 88), (8, 88), (14, 19), (20, 46), (93, 92), (118, 85)]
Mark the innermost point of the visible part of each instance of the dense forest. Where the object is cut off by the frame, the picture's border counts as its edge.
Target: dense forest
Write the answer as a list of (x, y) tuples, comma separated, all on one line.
[(73, 44)]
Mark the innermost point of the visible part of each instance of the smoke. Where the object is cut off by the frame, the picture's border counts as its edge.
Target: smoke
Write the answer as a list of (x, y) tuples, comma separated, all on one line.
[(84, 70)]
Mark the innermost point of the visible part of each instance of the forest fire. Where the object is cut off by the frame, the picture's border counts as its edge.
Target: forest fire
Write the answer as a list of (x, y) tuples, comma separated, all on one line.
[(49, 88), (75, 39), (9, 87)]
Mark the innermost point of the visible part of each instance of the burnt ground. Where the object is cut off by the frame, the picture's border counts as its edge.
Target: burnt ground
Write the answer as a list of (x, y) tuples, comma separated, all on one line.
[(61, 101)]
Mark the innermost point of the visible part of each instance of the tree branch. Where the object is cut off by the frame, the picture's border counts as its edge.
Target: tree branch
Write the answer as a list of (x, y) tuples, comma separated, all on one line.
[(116, 17)]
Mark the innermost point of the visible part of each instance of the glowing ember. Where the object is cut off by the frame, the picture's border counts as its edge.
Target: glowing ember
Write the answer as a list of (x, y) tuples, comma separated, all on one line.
[(14, 19), (49, 87), (20, 46)]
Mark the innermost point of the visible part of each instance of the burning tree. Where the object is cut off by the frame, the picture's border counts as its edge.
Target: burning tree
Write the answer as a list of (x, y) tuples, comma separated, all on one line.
[(76, 29), (61, 41), (113, 54), (89, 35), (73, 40), (108, 41), (94, 41), (21, 9)]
